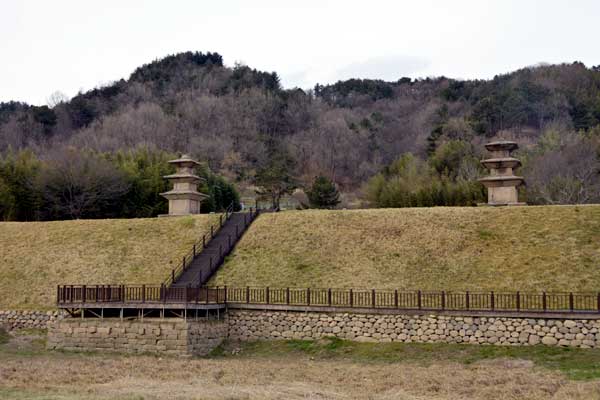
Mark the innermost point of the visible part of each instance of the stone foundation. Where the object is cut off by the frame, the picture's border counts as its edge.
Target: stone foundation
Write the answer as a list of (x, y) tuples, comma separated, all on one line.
[(11, 319), (272, 325), (165, 336), (198, 337)]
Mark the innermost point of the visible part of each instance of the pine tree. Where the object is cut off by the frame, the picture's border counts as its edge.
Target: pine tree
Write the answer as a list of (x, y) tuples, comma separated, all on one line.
[(323, 193)]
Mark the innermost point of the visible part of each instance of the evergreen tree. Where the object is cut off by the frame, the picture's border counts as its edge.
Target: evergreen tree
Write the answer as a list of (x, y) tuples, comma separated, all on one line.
[(275, 178), (323, 193)]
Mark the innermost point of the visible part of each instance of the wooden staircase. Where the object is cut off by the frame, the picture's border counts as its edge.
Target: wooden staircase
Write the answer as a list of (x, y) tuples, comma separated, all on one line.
[(209, 254)]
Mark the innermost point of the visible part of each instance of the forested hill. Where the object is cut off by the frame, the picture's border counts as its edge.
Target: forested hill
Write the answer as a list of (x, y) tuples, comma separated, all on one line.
[(238, 119)]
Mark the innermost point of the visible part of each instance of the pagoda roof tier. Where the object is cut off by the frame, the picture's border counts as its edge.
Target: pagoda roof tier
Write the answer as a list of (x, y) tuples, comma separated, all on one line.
[(502, 180), (503, 162), (183, 194), (502, 145), (183, 177), (184, 159)]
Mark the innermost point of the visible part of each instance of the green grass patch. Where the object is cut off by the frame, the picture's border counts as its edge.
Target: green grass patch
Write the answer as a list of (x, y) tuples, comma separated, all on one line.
[(4, 338), (577, 364)]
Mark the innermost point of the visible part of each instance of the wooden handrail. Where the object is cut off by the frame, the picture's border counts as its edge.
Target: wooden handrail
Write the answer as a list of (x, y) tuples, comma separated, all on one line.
[(518, 302)]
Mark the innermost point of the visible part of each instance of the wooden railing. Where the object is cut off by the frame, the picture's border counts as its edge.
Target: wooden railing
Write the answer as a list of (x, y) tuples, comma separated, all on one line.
[(419, 300), (137, 294), (347, 298), (197, 247)]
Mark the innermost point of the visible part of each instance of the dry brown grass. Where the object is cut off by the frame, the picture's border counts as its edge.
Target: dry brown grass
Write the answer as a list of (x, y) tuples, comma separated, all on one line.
[(53, 376), (551, 248), (37, 256)]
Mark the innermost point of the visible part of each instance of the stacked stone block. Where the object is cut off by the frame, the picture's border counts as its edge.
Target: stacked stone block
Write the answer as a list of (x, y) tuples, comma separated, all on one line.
[(164, 336)]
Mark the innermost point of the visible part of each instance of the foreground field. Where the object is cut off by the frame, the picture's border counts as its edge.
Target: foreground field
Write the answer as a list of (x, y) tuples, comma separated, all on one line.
[(36, 256), (552, 248), (301, 370)]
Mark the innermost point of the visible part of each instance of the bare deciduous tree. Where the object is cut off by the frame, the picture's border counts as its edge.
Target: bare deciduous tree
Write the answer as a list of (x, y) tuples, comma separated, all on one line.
[(567, 175), (77, 184)]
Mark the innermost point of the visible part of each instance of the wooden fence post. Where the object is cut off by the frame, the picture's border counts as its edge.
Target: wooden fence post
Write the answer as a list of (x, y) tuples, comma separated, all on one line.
[(83, 294), (351, 298), (329, 297), (247, 294), (143, 294), (544, 305), (373, 298), (571, 301), (225, 295), (308, 296), (492, 300), (267, 295), (467, 301), (443, 300), (518, 301), (287, 296), (395, 298), (419, 299)]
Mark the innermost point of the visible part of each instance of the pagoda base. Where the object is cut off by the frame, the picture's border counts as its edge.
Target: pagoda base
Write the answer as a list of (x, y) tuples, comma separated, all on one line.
[(500, 204), (175, 215)]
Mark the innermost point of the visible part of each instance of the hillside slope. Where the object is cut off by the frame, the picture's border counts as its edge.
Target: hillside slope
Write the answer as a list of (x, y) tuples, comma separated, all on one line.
[(229, 116), (551, 248), (37, 256)]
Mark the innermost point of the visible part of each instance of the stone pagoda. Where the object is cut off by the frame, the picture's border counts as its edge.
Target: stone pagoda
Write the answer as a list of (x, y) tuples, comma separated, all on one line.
[(184, 198), (502, 183)]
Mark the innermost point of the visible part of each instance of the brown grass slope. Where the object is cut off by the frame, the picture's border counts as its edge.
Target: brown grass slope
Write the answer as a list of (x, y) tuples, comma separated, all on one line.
[(552, 248), (36, 256)]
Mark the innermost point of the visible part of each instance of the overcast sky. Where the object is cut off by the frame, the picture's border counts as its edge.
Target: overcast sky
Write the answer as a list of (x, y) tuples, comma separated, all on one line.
[(67, 46)]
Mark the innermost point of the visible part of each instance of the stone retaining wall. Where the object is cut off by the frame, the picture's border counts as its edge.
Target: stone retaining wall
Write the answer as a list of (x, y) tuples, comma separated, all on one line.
[(270, 325), (165, 336), (12, 319), (199, 337)]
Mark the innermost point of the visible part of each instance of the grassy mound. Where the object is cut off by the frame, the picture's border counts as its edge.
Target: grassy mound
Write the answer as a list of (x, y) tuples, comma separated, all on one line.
[(37, 256), (552, 248)]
